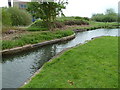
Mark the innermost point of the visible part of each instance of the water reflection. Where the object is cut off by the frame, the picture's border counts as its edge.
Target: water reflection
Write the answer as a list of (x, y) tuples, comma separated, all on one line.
[(18, 68), (46, 54)]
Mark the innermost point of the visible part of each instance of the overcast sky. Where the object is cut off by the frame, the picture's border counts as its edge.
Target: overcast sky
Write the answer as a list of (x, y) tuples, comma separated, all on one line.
[(83, 8)]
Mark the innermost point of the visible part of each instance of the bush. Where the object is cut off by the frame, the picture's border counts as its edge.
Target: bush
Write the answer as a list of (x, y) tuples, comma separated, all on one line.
[(82, 18), (58, 24), (109, 16), (39, 23), (36, 29), (6, 20), (98, 17), (104, 18), (76, 22), (19, 17), (86, 18), (78, 17)]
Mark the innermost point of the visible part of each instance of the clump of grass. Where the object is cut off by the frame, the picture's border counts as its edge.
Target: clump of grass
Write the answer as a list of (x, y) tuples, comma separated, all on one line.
[(92, 65), (35, 37), (19, 17), (14, 17)]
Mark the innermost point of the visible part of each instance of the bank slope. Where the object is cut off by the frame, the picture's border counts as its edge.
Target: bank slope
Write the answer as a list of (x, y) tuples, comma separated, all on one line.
[(92, 65)]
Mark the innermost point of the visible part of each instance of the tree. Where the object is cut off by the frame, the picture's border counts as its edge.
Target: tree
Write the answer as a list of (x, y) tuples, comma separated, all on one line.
[(47, 11), (110, 11), (109, 16), (98, 17)]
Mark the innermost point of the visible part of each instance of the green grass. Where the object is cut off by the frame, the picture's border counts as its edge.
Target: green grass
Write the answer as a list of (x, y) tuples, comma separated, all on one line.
[(104, 25), (97, 25), (35, 37), (92, 26), (92, 65)]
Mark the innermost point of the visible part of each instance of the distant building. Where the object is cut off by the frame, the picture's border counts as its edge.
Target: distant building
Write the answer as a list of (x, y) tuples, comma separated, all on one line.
[(20, 4)]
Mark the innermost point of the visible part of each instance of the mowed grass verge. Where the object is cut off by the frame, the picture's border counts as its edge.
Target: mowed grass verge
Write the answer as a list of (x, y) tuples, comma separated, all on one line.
[(91, 65), (35, 37)]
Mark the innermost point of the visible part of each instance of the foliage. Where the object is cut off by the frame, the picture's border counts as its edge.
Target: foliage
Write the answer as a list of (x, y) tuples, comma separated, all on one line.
[(76, 22), (47, 11), (119, 18), (62, 19), (36, 29), (35, 37), (6, 20), (95, 25), (59, 23), (19, 17), (92, 65), (110, 12), (98, 17), (39, 23), (12, 17), (82, 18), (109, 16)]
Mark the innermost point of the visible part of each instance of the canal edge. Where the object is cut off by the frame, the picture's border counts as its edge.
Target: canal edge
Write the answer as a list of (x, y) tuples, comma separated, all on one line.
[(39, 70), (32, 46)]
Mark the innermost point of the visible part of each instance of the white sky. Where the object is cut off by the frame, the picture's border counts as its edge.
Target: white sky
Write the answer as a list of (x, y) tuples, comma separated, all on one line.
[(83, 8)]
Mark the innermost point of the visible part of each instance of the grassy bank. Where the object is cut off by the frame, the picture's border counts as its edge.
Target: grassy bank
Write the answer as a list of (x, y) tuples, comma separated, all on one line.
[(92, 65), (37, 35), (34, 37), (74, 23), (97, 25)]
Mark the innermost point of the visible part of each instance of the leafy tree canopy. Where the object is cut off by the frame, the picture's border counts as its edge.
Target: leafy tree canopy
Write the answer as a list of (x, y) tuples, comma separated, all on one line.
[(47, 11), (109, 16)]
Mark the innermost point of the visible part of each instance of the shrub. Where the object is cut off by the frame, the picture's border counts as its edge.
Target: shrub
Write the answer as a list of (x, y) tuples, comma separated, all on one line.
[(109, 16), (36, 29), (6, 20), (82, 18), (58, 24), (104, 18), (86, 18), (39, 23), (19, 17), (98, 17), (76, 22), (78, 17)]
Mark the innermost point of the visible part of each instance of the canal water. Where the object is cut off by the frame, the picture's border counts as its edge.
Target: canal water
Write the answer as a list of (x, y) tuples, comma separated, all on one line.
[(16, 69)]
